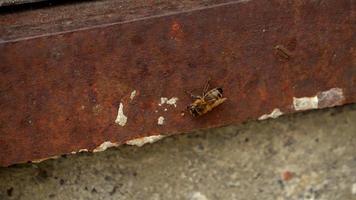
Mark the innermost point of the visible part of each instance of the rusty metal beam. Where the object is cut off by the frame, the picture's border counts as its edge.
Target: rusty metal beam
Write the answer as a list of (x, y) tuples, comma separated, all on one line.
[(61, 92)]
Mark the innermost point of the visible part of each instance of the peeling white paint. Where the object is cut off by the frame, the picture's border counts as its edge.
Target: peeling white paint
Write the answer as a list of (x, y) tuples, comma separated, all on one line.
[(328, 98), (274, 114), (105, 145), (305, 103), (160, 120), (144, 140), (121, 119), (171, 101), (133, 94)]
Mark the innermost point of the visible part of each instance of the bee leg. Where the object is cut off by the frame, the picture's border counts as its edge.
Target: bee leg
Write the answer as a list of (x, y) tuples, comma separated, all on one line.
[(207, 86), (193, 95)]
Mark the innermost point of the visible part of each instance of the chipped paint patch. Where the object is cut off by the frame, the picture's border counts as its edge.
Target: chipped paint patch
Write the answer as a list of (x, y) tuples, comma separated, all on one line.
[(105, 145), (331, 98), (171, 101), (144, 140), (305, 103), (274, 114), (132, 95), (121, 119), (160, 120)]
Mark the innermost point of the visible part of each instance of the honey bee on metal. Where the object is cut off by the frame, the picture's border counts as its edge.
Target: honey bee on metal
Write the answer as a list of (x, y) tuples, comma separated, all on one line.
[(205, 103)]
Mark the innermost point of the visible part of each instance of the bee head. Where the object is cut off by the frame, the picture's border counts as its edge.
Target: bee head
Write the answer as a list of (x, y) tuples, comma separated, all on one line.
[(220, 90), (193, 110)]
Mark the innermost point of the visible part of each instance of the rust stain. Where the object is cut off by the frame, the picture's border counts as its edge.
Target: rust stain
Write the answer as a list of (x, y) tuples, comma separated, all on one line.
[(176, 31), (52, 105), (287, 175)]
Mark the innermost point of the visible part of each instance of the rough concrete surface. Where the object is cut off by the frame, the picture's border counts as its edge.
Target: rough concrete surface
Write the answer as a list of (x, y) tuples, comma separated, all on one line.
[(308, 155)]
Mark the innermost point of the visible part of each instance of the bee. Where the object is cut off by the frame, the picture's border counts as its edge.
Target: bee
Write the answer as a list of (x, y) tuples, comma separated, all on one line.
[(205, 103)]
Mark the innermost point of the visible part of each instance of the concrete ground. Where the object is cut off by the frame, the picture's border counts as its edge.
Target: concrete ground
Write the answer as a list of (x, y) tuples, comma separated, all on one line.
[(309, 155)]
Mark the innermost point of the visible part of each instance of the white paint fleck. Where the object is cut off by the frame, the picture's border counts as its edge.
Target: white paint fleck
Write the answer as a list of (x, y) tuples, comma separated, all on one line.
[(121, 119), (165, 109), (198, 196), (133, 94), (160, 120), (163, 101), (171, 101), (274, 114), (144, 140), (353, 189), (305, 103), (105, 145)]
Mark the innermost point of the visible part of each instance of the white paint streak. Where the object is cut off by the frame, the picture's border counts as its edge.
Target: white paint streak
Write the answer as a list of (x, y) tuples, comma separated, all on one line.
[(274, 114), (105, 145), (133, 94), (160, 120), (80, 150), (121, 119), (144, 140), (305, 103), (43, 159)]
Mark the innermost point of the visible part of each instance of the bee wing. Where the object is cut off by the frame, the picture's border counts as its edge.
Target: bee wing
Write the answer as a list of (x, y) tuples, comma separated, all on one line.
[(210, 99)]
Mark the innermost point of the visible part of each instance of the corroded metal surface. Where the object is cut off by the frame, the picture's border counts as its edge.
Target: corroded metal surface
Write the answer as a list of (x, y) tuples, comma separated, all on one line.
[(62, 92)]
